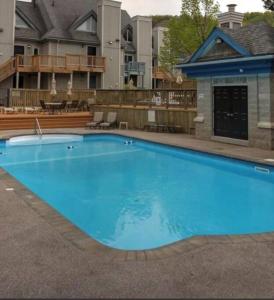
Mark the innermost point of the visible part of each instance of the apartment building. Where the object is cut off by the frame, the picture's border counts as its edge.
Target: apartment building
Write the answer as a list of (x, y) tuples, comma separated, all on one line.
[(92, 43)]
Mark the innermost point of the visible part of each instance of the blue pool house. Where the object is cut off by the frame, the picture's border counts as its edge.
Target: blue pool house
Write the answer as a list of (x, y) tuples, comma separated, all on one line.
[(234, 70)]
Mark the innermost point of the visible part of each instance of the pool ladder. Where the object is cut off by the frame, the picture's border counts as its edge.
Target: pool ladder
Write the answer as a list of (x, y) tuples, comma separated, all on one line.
[(37, 128)]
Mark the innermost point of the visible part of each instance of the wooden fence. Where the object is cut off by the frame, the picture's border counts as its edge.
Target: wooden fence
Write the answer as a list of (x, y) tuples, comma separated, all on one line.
[(145, 98), (137, 117), (31, 98)]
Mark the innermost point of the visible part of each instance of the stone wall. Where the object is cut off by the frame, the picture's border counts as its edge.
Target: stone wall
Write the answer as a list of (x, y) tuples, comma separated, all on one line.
[(260, 108)]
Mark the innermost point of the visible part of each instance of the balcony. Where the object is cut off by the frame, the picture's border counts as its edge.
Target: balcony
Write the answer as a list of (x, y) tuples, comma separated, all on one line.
[(134, 68), (60, 64)]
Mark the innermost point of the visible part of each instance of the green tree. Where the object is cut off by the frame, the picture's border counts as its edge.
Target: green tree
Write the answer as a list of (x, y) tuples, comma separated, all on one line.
[(188, 31), (160, 19), (269, 4), (256, 17)]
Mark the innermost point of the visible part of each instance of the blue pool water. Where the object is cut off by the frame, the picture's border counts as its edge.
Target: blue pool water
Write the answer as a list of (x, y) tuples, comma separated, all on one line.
[(144, 195)]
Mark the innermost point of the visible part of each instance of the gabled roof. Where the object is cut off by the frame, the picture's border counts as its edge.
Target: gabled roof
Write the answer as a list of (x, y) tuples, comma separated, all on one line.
[(58, 21), (258, 38), (216, 34), (251, 40), (79, 21), (126, 23), (62, 15), (31, 16)]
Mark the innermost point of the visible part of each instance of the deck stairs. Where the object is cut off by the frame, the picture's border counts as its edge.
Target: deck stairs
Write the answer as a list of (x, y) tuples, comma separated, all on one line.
[(163, 74), (26, 121), (7, 69)]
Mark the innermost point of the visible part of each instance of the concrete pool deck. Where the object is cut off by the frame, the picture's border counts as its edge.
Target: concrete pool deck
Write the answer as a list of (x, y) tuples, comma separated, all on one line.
[(43, 255)]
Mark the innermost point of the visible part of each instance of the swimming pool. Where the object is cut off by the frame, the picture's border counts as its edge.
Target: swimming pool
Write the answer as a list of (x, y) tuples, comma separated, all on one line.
[(144, 195)]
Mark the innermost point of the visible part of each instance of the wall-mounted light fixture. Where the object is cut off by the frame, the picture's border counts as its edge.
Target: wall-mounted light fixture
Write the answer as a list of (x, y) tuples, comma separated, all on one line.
[(1, 30), (110, 42)]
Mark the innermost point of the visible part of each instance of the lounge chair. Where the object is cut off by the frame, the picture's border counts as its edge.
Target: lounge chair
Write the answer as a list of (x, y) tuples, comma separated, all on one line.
[(29, 110), (8, 110), (152, 125), (111, 120), (97, 120)]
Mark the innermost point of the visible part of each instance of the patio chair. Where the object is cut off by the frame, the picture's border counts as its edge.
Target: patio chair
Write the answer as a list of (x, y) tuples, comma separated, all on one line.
[(74, 106), (111, 121), (97, 120), (83, 105), (63, 106), (43, 105)]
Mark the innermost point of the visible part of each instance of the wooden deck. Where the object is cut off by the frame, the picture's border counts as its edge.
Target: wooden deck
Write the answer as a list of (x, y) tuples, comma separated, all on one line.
[(47, 121), (52, 64), (60, 64)]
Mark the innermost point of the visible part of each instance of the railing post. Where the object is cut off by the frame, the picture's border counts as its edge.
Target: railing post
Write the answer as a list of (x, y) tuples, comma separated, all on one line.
[(186, 102), (167, 100), (121, 99), (10, 100)]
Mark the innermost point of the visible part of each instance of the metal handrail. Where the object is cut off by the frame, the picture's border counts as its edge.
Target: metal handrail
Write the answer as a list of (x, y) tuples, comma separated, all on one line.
[(37, 128)]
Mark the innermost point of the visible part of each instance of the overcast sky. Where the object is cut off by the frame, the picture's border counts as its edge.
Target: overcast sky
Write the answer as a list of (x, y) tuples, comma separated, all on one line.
[(147, 7), (173, 7)]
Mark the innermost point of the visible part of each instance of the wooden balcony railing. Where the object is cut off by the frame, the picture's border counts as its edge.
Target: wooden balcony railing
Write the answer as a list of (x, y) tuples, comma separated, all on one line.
[(162, 99), (60, 64), (134, 68)]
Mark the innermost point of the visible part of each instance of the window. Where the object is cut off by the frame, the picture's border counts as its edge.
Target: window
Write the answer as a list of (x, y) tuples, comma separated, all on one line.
[(92, 51), (19, 50), (225, 25), (20, 23), (90, 25), (128, 59), (128, 36)]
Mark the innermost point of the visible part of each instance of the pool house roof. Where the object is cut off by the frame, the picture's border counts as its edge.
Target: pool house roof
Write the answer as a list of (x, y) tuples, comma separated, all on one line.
[(246, 50)]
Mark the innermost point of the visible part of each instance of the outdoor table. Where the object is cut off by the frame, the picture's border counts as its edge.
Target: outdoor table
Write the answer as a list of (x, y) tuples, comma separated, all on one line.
[(52, 106), (123, 125)]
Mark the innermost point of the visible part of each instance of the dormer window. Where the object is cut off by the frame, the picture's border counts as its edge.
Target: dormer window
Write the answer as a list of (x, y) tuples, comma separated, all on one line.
[(219, 41), (20, 23), (128, 36), (90, 25)]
